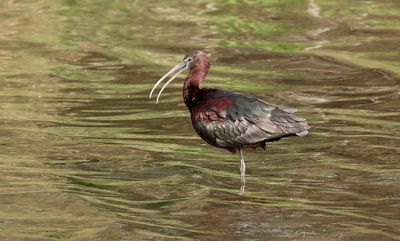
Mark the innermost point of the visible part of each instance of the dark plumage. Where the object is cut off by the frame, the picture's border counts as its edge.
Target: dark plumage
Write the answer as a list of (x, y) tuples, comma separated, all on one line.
[(231, 120)]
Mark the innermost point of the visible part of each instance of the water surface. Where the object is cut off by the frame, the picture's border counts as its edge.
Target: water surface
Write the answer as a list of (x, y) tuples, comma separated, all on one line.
[(85, 155)]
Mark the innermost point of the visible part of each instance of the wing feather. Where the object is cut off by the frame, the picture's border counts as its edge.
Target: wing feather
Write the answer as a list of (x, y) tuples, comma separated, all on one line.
[(246, 121)]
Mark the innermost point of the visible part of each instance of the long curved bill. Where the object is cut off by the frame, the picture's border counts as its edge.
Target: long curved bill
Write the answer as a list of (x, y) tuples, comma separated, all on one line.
[(179, 68)]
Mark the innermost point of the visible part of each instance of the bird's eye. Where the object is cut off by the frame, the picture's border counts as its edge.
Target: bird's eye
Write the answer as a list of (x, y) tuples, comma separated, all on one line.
[(190, 59)]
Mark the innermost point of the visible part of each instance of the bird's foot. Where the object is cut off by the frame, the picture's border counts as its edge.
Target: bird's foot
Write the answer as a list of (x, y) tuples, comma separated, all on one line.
[(242, 189)]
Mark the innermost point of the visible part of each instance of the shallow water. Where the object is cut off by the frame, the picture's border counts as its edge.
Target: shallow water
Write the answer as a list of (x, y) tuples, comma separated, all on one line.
[(85, 155)]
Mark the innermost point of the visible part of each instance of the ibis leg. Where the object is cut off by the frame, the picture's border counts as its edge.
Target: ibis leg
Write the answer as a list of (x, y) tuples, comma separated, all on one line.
[(242, 164), (242, 172)]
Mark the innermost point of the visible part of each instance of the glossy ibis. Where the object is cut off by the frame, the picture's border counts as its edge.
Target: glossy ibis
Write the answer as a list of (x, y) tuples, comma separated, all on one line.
[(231, 120)]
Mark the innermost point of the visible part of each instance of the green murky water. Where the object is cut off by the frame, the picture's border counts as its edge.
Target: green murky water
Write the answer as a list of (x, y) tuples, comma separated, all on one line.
[(84, 155)]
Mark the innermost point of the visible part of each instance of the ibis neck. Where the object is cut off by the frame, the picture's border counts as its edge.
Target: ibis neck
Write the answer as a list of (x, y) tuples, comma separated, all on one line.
[(192, 85)]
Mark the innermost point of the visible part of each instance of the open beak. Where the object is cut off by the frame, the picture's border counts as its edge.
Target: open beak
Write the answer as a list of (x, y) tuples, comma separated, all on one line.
[(175, 71)]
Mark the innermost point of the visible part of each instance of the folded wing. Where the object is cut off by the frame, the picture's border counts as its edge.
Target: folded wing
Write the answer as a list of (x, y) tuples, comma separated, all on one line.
[(232, 120)]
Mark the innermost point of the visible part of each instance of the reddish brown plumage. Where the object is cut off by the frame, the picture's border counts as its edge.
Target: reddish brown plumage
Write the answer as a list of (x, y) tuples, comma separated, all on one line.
[(207, 111), (198, 71)]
